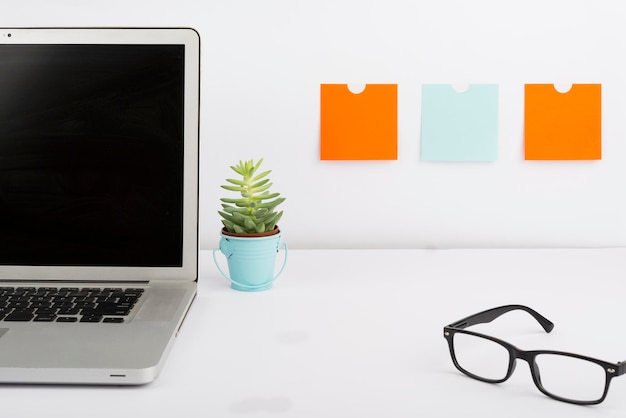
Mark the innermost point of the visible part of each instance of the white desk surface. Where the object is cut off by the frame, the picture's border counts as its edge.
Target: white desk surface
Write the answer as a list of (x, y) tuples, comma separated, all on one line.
[(358, 333)]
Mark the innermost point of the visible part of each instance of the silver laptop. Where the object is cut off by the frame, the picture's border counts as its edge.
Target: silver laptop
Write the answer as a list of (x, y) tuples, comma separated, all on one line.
[(98, 201)]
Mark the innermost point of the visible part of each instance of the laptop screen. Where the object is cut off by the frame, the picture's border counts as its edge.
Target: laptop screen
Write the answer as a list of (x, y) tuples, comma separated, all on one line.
[(91, 155)]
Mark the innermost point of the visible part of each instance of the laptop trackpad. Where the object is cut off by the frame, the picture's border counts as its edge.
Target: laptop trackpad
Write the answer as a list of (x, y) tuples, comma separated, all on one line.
[(160, 305)]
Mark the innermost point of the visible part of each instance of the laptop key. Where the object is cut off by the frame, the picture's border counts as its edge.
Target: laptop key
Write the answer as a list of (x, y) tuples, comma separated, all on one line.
[(67, 319), (91, 319), (19, 316), (113, 320), (44, 318)]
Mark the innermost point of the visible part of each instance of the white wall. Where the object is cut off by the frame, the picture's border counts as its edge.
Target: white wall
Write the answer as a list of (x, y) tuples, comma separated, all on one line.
[(263, 62)]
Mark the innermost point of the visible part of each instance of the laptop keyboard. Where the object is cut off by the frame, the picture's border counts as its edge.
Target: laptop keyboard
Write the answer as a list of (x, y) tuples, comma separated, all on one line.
[(67, 304)]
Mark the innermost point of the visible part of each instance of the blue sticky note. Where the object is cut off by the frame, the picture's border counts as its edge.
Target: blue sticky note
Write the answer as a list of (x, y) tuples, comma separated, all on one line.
[(459, 126)]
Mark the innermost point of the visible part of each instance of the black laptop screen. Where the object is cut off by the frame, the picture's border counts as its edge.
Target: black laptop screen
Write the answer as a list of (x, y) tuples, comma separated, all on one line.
[(91, 155)]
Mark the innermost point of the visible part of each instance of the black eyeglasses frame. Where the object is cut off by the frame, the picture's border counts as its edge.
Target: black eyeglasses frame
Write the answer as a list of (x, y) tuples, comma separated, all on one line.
[(611, 369)]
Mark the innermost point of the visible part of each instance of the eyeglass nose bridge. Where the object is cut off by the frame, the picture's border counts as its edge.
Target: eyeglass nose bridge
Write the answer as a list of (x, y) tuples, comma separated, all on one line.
[(516, 354), (528, 357)]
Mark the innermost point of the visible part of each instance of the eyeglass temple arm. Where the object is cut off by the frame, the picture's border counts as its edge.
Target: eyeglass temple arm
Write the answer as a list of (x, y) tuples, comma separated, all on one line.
[(491, 314)]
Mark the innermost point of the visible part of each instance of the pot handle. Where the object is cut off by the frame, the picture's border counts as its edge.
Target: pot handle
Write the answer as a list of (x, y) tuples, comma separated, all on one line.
[(247, 286)]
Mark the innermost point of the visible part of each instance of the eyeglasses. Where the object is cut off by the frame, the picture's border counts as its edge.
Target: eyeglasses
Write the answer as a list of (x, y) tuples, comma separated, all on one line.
[(562, 376)]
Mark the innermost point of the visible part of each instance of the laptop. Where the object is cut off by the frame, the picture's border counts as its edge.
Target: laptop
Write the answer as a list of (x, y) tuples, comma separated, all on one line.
[(98, 201)]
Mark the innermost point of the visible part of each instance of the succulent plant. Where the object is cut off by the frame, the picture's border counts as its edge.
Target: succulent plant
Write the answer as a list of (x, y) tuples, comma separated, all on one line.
[(254, 211)]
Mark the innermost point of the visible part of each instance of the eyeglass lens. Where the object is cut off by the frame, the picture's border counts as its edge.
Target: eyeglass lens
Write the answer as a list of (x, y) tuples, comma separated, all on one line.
[(481, 357), (560, 375), (571, 377)]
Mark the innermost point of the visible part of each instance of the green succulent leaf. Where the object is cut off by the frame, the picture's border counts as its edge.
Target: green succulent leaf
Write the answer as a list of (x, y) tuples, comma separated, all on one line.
[(261, 188), (249, 223), (271, 205), (239, 202), (260, 212), (229, 225), (237, 169), (235, 188), (237, 182), (269, 218), (268, 196), (226, 216), (273, 224), (230, 209), (239, 218), (260, 176), (260, 183)]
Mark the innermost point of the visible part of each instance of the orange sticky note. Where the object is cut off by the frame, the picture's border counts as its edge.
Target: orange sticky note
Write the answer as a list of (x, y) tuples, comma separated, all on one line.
[(563, 126), (359, 126)]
